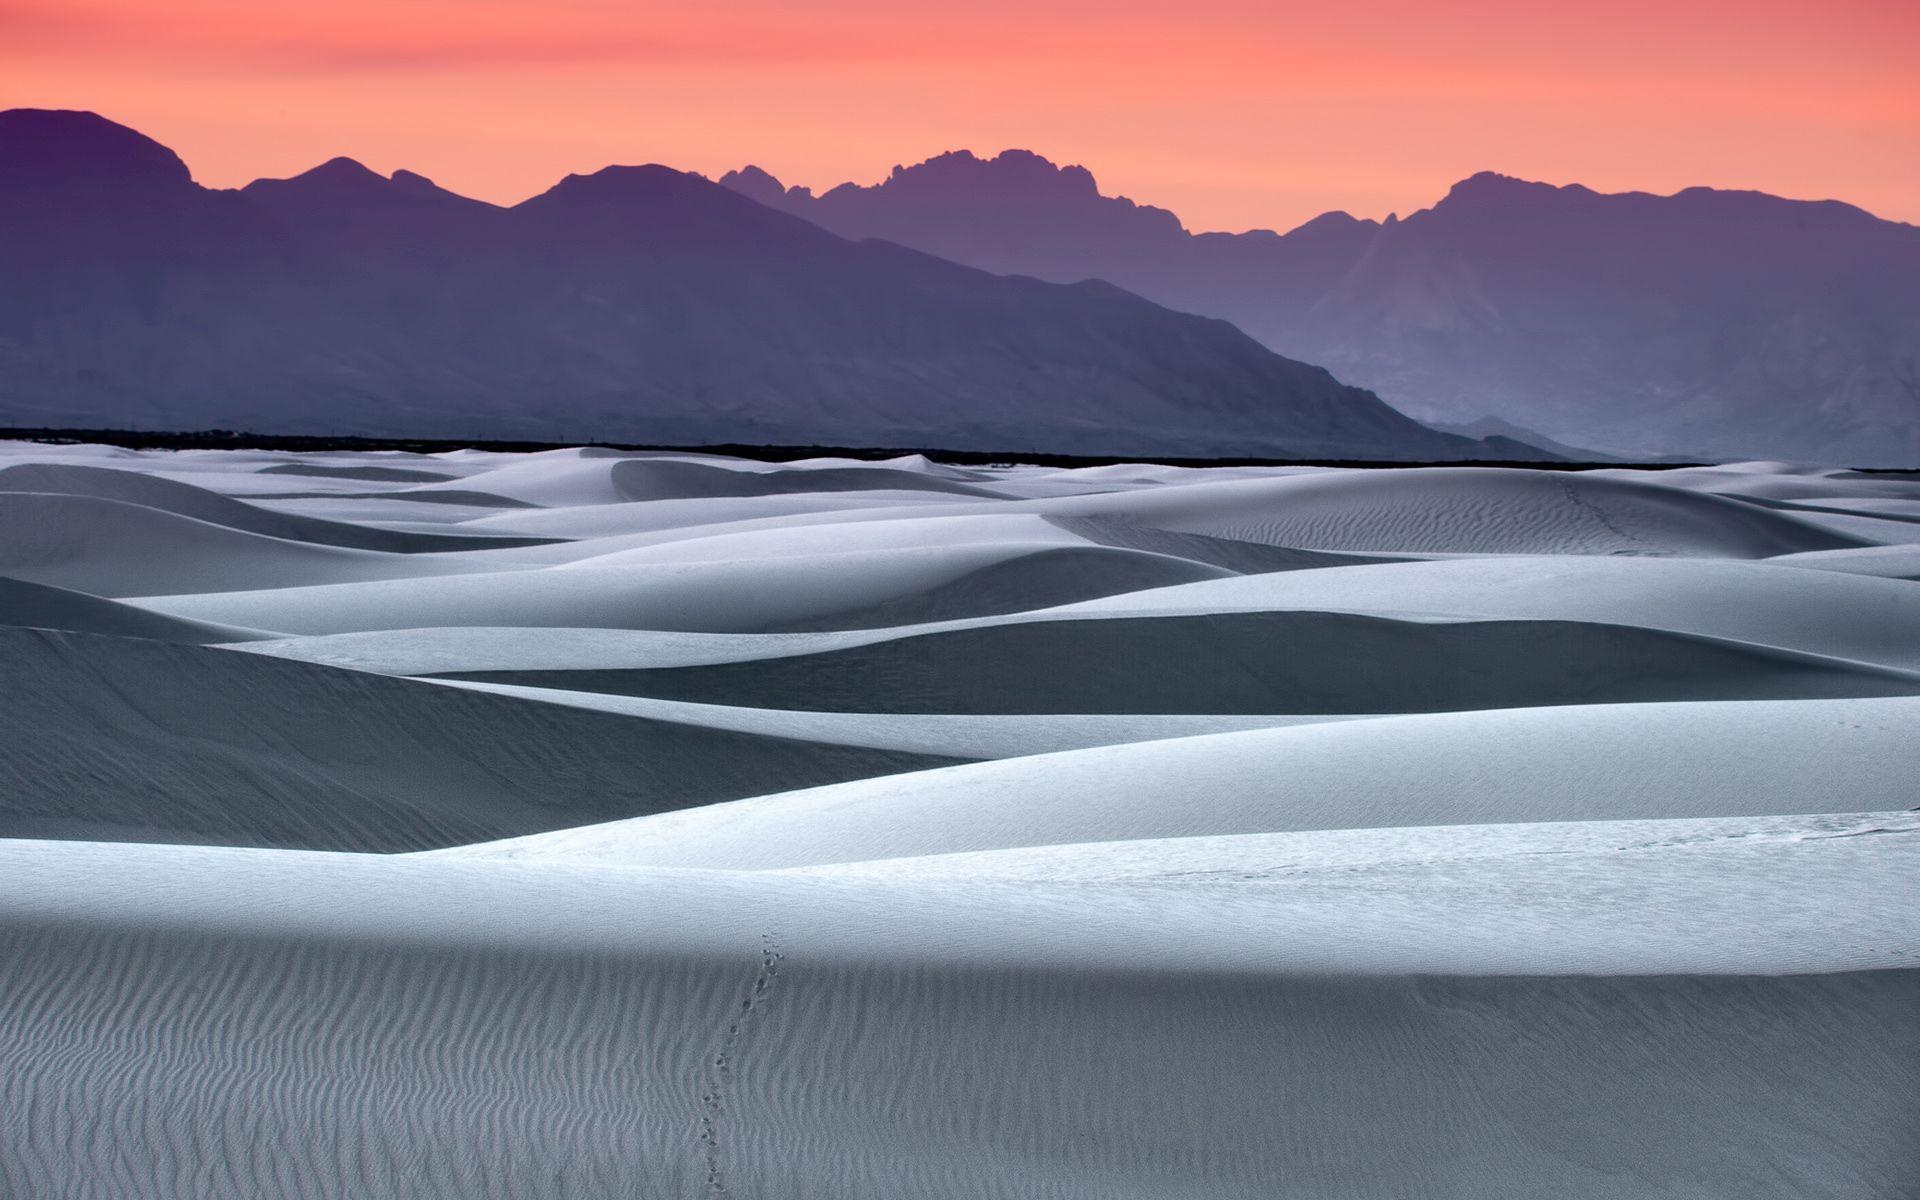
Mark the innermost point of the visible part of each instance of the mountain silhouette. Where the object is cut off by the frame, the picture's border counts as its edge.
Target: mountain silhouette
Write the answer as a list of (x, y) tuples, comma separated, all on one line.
[(1708, 322), (344, 189), (53, 153), (636, 304)]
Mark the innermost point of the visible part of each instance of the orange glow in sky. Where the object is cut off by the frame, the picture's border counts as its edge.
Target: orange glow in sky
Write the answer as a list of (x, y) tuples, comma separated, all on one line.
[(1233, 113)]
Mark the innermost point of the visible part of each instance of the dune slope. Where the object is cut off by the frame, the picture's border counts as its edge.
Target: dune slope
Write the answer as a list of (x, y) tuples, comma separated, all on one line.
[(1264, 662), (1598, 763), (509, 1030), (113, 738), (167, 495), (592, 823)]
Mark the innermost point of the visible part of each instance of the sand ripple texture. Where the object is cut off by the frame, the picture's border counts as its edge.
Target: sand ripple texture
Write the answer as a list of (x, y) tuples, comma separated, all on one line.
[(594, 824)]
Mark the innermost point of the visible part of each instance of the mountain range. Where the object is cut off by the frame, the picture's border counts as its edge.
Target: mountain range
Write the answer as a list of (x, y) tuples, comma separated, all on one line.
[(636, 304), (1710, 323), (972, 303)]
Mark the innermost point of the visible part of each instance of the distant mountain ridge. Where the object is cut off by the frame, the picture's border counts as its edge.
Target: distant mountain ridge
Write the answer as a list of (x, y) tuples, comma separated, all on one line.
[(635, 304), (1708, 322)]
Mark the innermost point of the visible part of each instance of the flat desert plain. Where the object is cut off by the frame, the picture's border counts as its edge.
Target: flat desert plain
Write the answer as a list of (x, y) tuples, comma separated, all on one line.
[(594, 824)]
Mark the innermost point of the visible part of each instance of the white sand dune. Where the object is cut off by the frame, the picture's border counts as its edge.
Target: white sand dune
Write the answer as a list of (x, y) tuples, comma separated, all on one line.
[(541, 480), (1460, 510), (373, 471), (1602, 763), (37, 606), (1042, 580), (1257, 662), (1707, 1013), (446, 650), (253, 485), (929, 531), (115, 549), (115, 738), (84, 452), (1093, 661), (1434, 511), (740, 595), (1385, 859), (920, 527), (1830, 613), (1892, 508), (386, 513), (434, 494), (982, 736), (1780, 481), (593, 824), (608, 480), (665, 479), (166, 495), (655, 516), (1887, 562), (1246, 558)]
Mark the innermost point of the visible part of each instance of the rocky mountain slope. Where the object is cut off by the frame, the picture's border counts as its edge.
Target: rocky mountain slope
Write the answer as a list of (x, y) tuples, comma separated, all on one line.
[(634, 304), (1730, 324)]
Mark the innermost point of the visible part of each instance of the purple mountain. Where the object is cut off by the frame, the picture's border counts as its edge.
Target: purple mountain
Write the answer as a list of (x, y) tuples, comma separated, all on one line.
[(634, 304), (1708, 322)]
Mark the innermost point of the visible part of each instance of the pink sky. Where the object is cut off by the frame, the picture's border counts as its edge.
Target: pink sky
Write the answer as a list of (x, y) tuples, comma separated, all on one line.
[(1234, 113)]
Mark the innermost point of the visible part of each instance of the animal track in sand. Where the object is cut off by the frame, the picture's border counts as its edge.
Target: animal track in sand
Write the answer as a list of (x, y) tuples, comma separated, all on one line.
[(720, 1070)]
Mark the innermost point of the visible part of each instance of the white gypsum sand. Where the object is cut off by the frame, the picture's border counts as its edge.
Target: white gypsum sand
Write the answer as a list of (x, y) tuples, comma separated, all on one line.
[(592, 824)]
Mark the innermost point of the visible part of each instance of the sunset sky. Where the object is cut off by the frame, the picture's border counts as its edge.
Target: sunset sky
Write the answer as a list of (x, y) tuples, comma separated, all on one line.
[(1234, 113)]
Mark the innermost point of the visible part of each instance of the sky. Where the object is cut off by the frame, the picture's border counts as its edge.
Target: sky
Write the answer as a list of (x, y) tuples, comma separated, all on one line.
[(1233, 113)]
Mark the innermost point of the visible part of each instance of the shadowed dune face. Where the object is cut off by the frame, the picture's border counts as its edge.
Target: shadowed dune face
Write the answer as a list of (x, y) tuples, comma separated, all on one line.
[(26, 605), (637, 614), (1251, 662), (166, 495), (138, 740), (587, 823), (669, 480), (115, 548)]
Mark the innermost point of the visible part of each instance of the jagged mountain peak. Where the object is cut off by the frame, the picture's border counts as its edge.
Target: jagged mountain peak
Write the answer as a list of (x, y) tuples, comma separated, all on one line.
[(1492, 192), (1011, 168), (763, 187)]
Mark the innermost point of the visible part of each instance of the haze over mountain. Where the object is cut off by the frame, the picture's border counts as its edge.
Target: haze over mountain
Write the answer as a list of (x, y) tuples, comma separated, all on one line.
[(633, 304), (1707, 322)]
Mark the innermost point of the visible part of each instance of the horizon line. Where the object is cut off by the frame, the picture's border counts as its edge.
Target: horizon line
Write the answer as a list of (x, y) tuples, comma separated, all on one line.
[(897, 168)]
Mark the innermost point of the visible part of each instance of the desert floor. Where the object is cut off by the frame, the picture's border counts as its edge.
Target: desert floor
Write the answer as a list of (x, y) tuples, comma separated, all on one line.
[(590, 824)]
